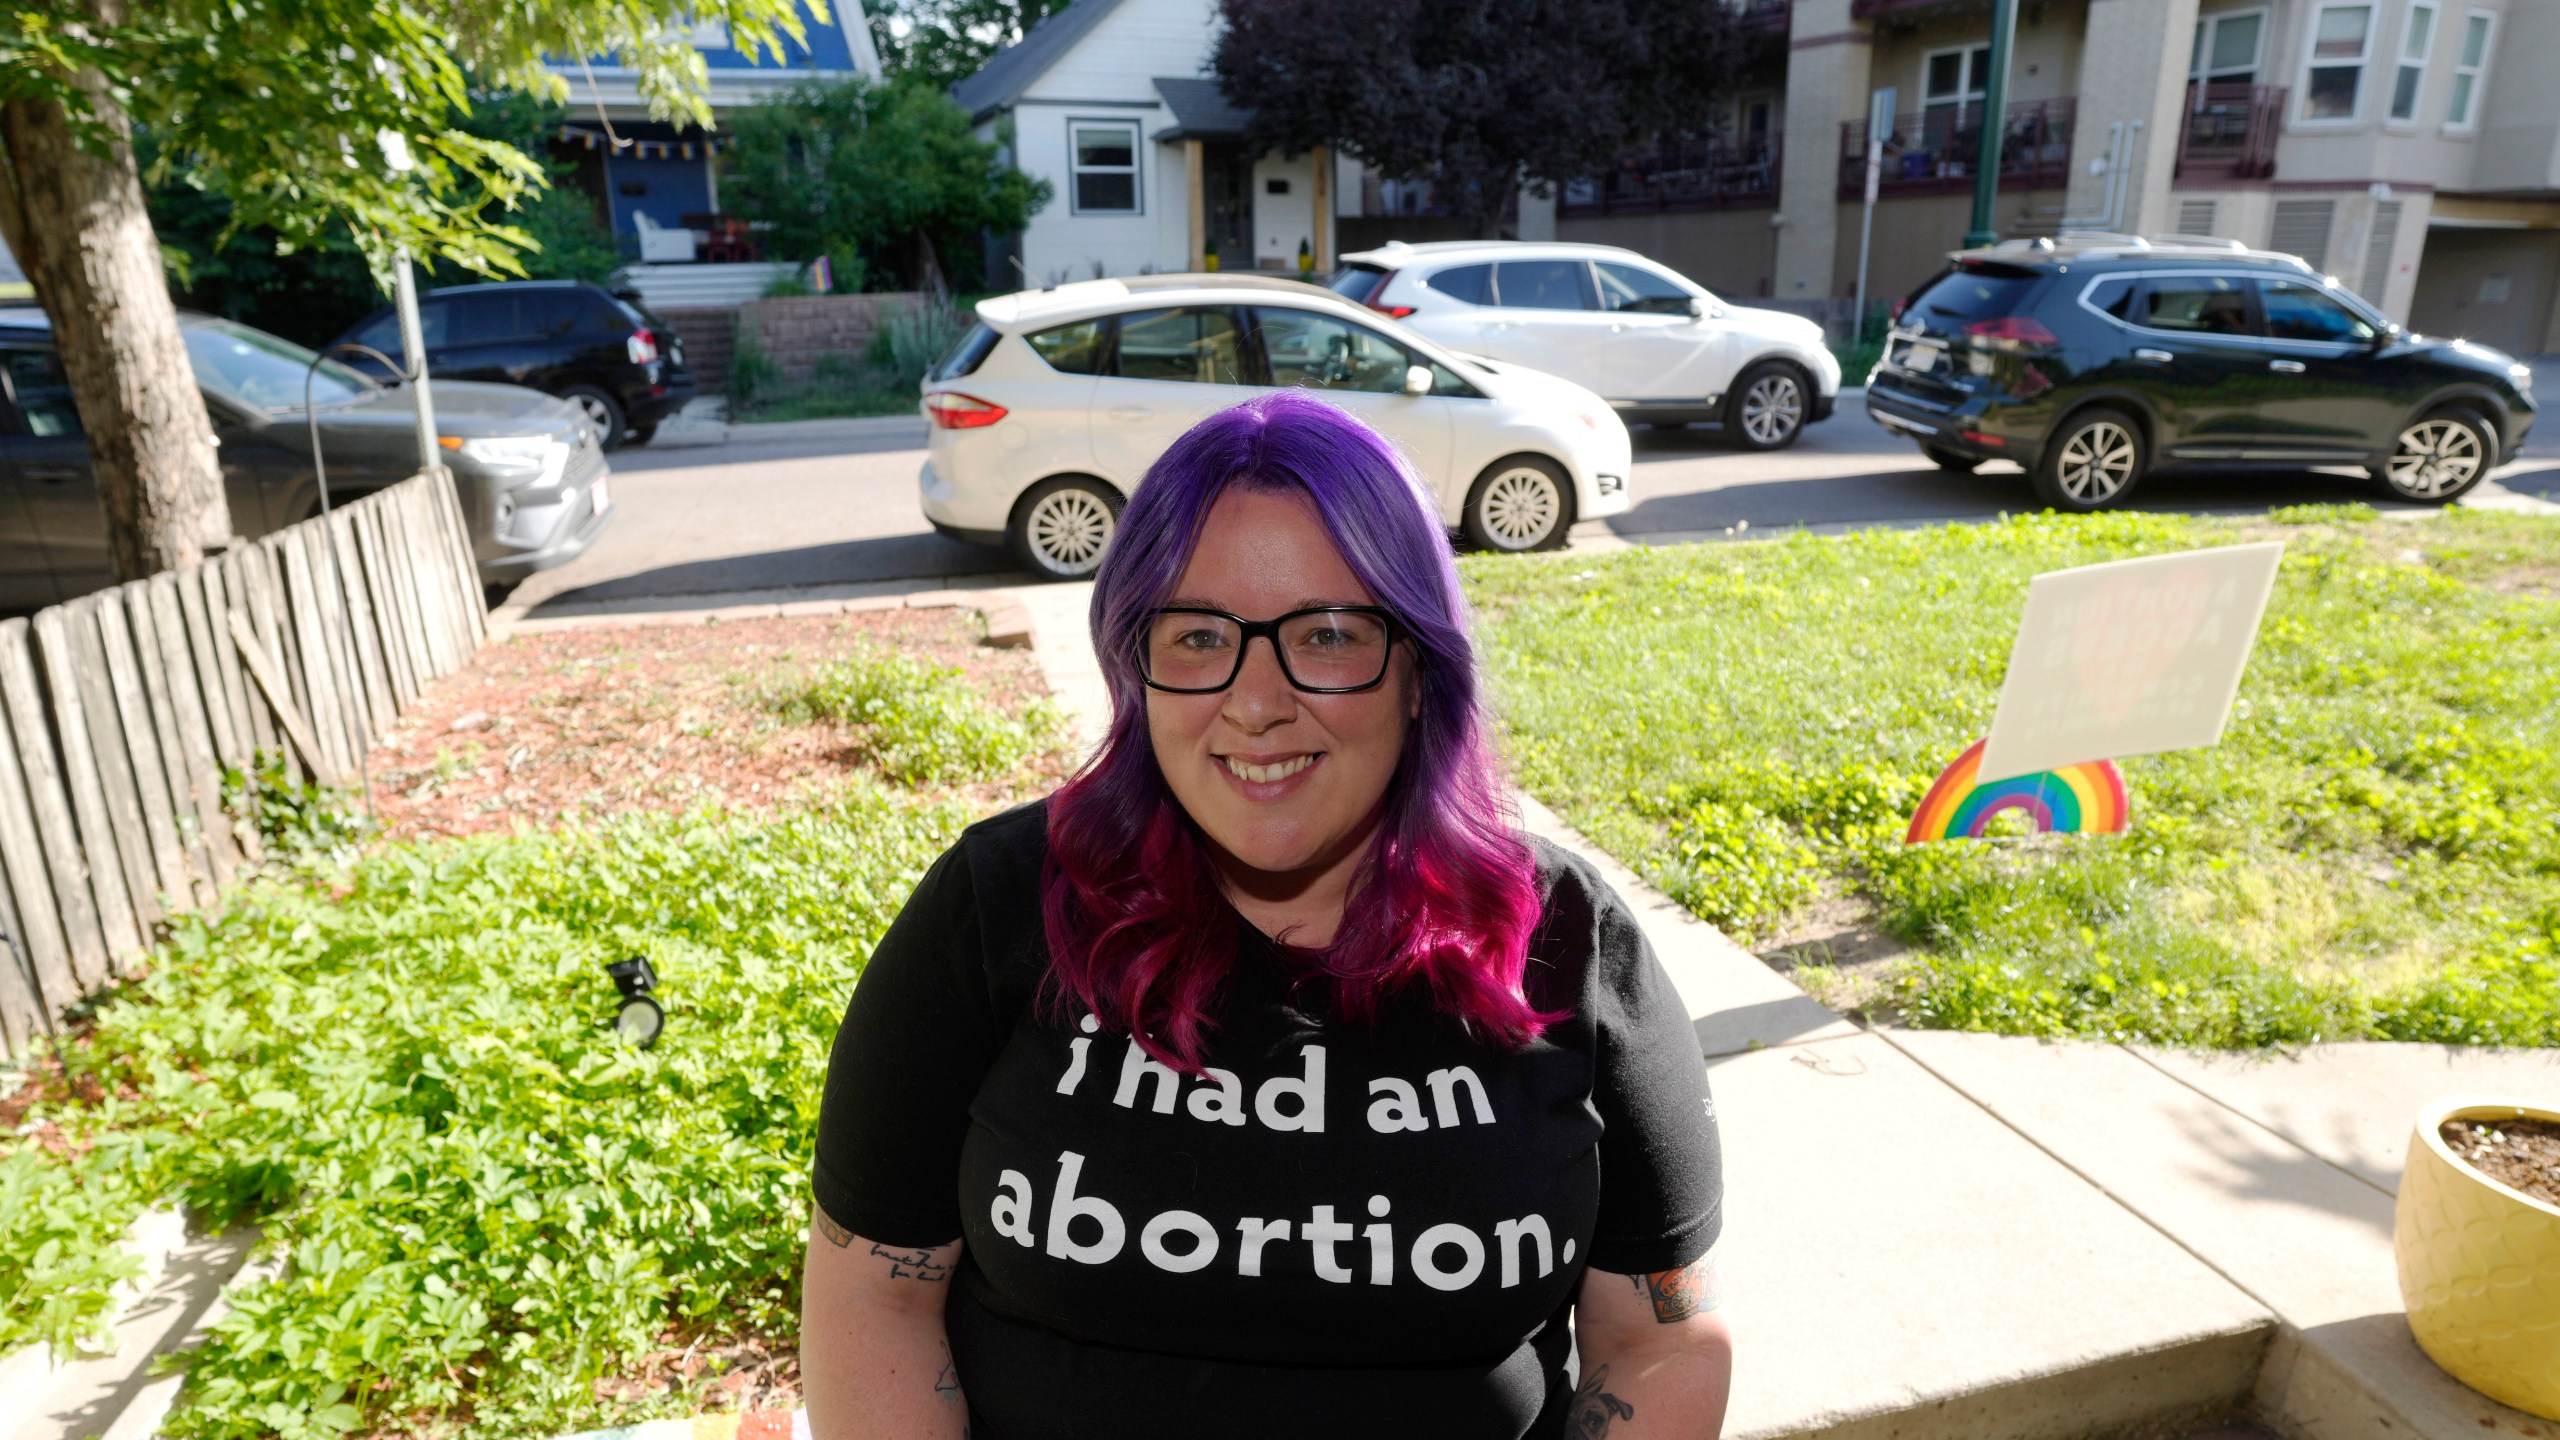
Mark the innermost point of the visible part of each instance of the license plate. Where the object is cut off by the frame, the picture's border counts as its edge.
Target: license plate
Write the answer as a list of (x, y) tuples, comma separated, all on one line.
[(597, 499), (1916, 356)]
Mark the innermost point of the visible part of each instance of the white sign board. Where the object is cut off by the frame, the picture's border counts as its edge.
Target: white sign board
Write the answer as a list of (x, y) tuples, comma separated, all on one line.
[(2129, 658)]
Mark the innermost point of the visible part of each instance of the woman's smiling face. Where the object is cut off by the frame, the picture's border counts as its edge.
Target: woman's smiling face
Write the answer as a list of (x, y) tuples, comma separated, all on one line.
[(1282, 782)]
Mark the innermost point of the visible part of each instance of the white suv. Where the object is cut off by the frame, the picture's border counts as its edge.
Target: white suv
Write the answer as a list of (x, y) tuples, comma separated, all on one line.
[(1661, 350), (1048, 412)]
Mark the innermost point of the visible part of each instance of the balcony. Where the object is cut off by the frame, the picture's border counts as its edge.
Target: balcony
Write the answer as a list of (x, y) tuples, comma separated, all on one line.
[(2229, 132), (1934, 151), (1764, 16), (1720, 175)]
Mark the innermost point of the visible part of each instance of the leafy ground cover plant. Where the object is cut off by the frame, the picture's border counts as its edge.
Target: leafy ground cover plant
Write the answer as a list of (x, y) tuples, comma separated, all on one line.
[(2373, 851), (917, 721)]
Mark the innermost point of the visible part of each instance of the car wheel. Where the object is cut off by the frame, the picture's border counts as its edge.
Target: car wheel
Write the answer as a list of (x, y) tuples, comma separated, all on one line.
[(1523, 503), (602, 411), (1767, 406), (2440, 457), (2091, 461), (1951, 461), (1061, 527)]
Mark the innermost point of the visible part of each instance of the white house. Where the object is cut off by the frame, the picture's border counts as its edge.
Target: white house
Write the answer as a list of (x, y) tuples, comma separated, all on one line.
[(1111, 101)]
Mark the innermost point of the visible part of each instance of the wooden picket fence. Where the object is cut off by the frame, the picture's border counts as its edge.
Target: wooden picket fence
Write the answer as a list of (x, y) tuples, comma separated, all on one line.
[(120, 711)]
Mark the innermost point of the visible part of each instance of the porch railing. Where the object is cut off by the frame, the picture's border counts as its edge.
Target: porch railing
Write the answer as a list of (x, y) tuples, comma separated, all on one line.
[(1934, 150), (1716, 176), (2229, 131)]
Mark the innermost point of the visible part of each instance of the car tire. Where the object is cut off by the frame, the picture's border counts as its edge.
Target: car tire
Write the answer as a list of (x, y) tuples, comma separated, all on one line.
[(1768, 406), (2438, 457), (1520, 503), (2091, 460), (1062, 527), (1951, 461), (602, 411)]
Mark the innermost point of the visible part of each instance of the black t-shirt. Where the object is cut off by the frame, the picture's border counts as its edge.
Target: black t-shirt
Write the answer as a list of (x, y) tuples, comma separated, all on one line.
[(1344, 1225)]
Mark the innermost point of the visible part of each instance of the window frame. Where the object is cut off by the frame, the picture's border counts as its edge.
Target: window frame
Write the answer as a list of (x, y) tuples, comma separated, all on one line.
[(2402, 63), (2200, 67), (1239, 318), (2337, 295), (1965, 93), (2302, 116), (1136, 170), (2478, 74), (1590, 285)]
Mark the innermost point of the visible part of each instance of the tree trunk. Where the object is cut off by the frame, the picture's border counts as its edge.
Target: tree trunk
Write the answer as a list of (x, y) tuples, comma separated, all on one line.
[(75, 218)]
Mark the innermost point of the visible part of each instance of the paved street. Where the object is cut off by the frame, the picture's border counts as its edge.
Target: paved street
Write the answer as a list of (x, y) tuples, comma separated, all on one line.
[(831, 505)]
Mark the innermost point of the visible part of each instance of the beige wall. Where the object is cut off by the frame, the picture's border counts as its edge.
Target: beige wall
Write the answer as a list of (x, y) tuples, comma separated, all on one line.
[(1827, 83), (1914, 233), (2045, 67), (1732, 252), (2459, 290)]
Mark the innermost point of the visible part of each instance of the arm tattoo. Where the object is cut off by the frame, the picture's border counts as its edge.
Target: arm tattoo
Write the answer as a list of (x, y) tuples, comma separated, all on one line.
[(1594, 1408), (913, 1264), (835, 1234), (1693, 1289), (946, 1383)]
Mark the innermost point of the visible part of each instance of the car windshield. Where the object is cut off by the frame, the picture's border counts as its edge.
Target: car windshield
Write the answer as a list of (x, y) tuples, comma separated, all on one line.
[(259, 369), (1972, 292), (1355, 282)]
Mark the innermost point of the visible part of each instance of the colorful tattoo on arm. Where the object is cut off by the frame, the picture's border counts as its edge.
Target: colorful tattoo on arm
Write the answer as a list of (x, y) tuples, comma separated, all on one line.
[(835, 1234), (1594, 1408), (1693, 1289)]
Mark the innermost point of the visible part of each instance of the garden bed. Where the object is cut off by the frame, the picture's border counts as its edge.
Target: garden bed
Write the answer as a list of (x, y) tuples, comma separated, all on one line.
[(2372, 852), (485, 1213)]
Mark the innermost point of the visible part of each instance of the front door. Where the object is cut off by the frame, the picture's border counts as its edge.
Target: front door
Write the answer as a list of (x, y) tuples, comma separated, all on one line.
[(2338, 400), (1362, 371), (2196, 347), (1547, 317), (1226, 203), (1657, 350), (1173, 369)]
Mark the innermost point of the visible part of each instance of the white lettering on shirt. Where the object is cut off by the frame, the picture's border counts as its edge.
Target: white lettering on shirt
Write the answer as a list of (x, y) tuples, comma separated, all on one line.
[(1075, 1068), (1138, 1066), (1382, 1244), (1397, 1108), (1444, 1095), (1322, 1234), (1204, 1242), (1066, 1207), (1509, 1233), (1252, 1234), (1224, 1103), (1310, 1093), (1012, 1208), (1426, 1249)]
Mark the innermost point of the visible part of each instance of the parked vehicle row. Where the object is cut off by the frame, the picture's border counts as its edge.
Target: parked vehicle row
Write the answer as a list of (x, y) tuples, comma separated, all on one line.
[(1050, 409), (2095, 362), (529, 469)]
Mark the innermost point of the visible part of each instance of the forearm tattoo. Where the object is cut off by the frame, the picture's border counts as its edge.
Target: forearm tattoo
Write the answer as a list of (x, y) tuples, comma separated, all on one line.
[(1594, 1408), (1693, 1289), (946, 1382), (913, 1264), (835, 1234)]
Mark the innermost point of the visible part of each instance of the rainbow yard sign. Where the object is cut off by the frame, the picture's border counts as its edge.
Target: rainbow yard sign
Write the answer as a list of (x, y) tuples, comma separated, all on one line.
[(2129, 658)]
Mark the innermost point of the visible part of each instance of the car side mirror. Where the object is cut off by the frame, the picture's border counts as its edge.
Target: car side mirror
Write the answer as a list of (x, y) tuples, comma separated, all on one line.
[(1697, 308), (1417, 379)]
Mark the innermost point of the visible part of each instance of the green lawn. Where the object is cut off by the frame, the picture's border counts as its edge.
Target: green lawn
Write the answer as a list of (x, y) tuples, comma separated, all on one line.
[(2373, 851)]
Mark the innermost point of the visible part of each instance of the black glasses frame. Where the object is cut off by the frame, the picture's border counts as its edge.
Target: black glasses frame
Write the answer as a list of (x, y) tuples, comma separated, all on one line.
[(1270, 630)]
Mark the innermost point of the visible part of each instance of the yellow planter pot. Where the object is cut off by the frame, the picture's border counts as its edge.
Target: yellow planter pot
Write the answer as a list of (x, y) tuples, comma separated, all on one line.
[(2480, 1264)]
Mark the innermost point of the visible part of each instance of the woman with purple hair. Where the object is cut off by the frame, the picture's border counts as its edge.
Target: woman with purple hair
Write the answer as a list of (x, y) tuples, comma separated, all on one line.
[(1265, 1080)]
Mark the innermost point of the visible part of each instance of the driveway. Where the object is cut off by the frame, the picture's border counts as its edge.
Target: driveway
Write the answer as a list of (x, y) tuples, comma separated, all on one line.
[(830, 506)]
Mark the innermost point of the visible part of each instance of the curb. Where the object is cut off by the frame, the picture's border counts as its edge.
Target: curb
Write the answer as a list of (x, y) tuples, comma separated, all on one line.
[(1008, 623)]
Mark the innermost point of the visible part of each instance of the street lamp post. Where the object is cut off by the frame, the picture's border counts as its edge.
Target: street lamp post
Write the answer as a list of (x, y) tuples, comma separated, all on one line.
[(1995, 107), (395, 153)]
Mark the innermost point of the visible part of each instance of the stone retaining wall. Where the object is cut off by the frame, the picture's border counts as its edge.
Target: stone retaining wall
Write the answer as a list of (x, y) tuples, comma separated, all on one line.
[(798, 332)]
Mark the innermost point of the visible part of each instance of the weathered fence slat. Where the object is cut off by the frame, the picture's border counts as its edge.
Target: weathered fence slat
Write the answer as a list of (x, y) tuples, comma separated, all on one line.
[(263, 601), (50, 805), (39, 926), (246, 733), (444, 500), (161, 714), (409, 548), (390, 606), (280, 696), (195, 734), (217, 704), (326, 711), (85, 770), (346, 665), (136, 839), (362, 631)]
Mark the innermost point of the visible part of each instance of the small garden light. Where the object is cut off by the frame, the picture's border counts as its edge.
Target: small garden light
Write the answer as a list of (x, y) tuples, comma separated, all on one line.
[(638, 1018)]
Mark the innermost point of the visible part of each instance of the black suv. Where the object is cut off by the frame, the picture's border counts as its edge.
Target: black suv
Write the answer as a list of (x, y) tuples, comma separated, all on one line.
[(2093, 362), (621, 364)]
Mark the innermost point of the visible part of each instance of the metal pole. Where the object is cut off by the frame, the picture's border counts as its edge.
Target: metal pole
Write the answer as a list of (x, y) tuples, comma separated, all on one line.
[(1995, 110), (1879, 119), (413, 340)]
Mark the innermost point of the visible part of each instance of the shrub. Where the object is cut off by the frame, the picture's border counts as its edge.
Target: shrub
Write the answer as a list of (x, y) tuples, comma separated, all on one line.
[(918, 722)]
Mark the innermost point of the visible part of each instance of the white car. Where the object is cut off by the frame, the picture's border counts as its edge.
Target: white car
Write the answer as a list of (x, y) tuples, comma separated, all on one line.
[(1661, 350), (1049, 411)]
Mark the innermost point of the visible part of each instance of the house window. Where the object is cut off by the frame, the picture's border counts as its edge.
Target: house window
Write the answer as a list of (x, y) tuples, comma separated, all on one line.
[(1950, 81), (2333, 77), (2417, 41), (2226, 50), (1103, 164), (2467, 65)]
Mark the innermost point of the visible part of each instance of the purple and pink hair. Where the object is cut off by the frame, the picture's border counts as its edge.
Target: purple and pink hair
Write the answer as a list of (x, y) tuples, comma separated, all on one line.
[(1140, 934)]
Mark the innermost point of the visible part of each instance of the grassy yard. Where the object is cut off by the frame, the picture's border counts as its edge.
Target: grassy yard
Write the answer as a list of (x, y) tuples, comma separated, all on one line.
[(485, 1212), (2373, 851)]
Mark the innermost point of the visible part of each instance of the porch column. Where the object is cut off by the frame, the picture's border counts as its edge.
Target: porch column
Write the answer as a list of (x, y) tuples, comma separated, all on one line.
[(2123, 78), (1827, 78), (1194, 184), (1322, 156)]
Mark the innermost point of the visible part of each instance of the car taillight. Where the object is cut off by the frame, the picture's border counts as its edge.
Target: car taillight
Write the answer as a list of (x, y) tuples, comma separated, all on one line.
[(1899, 306), (1392, 312), (954, 411), (642, 346), (2015, 334)]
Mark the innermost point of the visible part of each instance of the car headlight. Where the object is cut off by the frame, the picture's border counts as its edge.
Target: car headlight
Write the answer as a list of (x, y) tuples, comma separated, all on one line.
[(2521, 374), (535, 456)]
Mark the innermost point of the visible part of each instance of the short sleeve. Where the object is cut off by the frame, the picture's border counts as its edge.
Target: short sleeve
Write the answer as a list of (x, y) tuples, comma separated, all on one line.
[(917, 1039), (1661, 1167)]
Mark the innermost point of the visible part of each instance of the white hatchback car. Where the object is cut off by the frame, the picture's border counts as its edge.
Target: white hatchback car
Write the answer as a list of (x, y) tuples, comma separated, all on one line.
[(1662, 350), (1050, 409)]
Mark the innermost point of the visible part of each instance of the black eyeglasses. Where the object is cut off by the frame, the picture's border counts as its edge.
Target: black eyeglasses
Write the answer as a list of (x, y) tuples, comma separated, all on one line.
[(1334, 650)]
